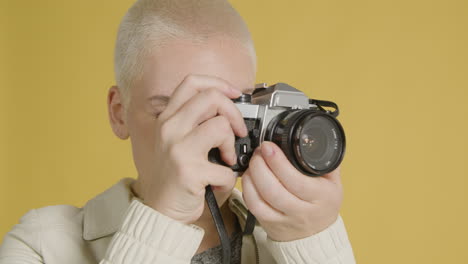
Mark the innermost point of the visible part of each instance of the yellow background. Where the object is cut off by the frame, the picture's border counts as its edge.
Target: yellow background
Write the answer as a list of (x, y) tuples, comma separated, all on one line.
[(398, 70)]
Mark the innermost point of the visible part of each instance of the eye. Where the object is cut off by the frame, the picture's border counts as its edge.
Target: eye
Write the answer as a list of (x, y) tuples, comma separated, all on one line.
[(156, 114), (156, 110)]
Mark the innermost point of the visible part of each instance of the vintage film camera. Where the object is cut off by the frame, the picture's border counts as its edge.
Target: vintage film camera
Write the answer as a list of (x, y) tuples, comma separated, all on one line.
[(309, 135)]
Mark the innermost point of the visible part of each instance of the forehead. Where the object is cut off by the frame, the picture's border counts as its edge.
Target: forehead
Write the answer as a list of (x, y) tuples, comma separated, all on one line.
[(167, 66)]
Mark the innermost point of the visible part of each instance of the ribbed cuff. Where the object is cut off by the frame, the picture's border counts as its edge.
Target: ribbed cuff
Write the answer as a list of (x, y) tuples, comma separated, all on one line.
[(147, 236), (329, 246)]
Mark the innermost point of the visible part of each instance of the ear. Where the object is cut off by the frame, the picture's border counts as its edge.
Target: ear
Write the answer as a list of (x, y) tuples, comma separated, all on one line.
[(117, 115)]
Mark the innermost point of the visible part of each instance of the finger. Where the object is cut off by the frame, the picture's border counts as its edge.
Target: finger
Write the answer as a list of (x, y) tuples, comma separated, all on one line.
[(302, 186), (255, 203), (334, 176), (219, 176), (193, 84), (213, 133), (271, 189), (206, 105)]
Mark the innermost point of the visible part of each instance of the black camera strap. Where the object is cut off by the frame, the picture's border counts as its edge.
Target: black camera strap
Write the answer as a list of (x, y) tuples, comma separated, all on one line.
[(249, 223), (219, 223), (321, 104)]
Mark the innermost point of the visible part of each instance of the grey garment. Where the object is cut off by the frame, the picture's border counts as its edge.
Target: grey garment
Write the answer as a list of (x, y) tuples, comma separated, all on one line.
[(215, 255)]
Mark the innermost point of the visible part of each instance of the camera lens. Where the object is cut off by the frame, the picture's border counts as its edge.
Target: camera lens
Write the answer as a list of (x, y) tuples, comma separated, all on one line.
[(318, 142), (312, 140)]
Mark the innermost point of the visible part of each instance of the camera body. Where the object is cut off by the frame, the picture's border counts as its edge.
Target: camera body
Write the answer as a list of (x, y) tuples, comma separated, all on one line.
[(309, 135)]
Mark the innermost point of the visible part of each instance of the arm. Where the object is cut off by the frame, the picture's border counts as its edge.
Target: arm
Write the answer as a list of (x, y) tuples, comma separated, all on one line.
[(330, 246), (147, 236), (22, 243)]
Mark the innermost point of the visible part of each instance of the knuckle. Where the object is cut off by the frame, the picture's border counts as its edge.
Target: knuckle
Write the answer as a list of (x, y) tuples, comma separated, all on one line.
[(191, 78), (301, 188), (214, 96), (302, 220), (192, 191)]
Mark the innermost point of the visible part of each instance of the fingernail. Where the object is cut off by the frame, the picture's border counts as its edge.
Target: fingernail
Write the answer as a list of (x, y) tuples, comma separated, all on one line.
[(267, 150)]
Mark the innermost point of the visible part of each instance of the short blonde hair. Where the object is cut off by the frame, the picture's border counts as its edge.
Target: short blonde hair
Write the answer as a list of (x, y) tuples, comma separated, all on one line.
[(150, 24)]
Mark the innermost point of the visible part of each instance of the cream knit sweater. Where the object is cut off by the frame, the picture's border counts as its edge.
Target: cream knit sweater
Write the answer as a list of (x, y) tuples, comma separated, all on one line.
[(114, 227)]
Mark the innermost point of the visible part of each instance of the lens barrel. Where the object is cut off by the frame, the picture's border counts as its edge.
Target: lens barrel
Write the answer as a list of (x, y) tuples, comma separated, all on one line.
[(314, 141)]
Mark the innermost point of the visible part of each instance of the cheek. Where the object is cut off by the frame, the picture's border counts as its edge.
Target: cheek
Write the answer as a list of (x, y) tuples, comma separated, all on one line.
[(143, 137), (142, 131)]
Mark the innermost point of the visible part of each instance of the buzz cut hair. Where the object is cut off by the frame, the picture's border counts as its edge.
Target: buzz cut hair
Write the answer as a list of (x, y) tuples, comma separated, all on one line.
[(151, 24)]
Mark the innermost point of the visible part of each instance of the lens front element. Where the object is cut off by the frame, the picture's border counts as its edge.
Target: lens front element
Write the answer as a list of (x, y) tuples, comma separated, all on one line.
[(313, 141), (317, 142)]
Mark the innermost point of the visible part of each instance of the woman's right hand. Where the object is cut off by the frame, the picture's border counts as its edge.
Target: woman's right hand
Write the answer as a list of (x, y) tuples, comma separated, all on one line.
[(199, 116)]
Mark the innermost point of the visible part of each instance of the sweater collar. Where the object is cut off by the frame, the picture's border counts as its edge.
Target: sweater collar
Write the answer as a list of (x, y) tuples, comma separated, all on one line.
[(104, 213)]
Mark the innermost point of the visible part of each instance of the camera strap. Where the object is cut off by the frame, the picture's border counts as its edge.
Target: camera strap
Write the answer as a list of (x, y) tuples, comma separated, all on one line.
[(321, 104), (219, 223), (249, 223)]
